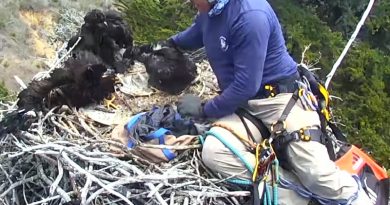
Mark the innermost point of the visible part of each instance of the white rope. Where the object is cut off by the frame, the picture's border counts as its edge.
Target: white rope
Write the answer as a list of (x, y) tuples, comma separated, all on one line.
[(353, 37)]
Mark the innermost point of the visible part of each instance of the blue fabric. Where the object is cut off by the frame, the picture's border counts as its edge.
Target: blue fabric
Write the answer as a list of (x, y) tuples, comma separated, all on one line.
[(218, 7), (158, 134), (245, 47), (130, 125)]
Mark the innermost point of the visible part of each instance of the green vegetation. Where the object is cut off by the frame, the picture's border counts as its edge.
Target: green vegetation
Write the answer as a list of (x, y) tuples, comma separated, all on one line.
[(154, 20), (363, 79), (3, 91)]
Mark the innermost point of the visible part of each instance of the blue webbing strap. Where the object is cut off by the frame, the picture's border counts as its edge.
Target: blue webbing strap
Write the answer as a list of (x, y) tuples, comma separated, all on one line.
[(130, 125), (160, 134)]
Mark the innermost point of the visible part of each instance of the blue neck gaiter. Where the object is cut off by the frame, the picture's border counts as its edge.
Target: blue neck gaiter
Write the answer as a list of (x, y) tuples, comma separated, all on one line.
[(218, 7)]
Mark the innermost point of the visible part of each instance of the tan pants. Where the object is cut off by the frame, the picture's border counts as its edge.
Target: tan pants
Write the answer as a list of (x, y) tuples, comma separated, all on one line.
[(311, 164)]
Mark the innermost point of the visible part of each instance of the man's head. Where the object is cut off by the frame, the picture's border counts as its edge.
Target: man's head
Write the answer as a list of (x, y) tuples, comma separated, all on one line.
[(203, 6)]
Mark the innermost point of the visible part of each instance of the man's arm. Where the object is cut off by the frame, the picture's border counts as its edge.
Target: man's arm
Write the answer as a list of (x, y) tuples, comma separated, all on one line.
[(191, 38), (249, 43)]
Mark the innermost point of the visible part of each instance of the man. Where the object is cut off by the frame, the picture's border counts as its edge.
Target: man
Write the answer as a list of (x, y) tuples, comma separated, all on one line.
[(246, 50)]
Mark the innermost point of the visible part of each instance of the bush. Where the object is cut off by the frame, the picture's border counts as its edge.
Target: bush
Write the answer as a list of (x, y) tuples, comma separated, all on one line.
[(153, 20), (3, 91), (362, 80)]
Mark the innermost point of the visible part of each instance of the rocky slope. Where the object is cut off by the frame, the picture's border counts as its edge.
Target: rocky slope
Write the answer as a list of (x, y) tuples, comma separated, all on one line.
[(31, 31)]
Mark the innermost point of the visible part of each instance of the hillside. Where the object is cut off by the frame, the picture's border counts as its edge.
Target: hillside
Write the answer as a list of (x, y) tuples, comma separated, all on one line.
[(27, 33)]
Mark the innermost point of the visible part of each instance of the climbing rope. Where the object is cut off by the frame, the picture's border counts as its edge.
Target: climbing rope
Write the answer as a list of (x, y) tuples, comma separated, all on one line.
[(351, 40)]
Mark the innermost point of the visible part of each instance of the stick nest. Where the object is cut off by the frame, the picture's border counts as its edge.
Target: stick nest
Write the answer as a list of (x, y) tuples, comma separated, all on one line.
[(67, 157)]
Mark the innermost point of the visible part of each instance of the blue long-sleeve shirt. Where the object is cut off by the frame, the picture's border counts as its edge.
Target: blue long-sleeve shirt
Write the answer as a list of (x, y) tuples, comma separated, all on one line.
[(245, 48)]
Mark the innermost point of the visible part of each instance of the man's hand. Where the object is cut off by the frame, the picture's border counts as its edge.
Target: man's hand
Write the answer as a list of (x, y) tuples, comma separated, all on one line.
[(149, 48), (190, 105)]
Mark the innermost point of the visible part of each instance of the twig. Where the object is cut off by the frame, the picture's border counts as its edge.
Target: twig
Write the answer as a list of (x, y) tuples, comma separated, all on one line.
[(16, 184), (54, 186), (210, 194), (59, 190), (20, 82), (177, 147), (93, 178), (84, 190), (43, 201)]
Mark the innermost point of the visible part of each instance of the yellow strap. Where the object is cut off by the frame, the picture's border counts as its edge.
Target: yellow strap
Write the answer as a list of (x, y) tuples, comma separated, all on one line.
[(324, 93), (249, 143), (254, 176)]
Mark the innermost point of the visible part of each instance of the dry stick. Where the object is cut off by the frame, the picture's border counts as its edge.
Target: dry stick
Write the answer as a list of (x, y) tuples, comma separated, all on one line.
[(16, 184), (172, 199), (84, 124), (178, 147), (155, 190), (53, 187), (72, 178), (150, 185), (71, 125), (159, 186), (59, 190), (14, 198), (50, 199), (84, 190), (117, 183), (48, 159), (63, 57), (107, 176), (64, 128), (128, 152), (214, 194), (93, 178), (186, 201), (196, 166)]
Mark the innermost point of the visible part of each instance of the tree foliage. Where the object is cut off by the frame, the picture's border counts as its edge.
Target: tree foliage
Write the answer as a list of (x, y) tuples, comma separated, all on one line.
[(153, 20), (363, 79), (343, 15), (3, 91)]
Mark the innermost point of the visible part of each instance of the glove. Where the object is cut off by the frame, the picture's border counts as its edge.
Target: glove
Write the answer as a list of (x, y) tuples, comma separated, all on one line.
[(191, 106), (149, 48)]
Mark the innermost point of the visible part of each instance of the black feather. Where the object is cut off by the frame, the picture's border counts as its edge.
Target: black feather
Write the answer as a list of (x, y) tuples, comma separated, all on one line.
[(79, 83), (169, 69), (105, 34)]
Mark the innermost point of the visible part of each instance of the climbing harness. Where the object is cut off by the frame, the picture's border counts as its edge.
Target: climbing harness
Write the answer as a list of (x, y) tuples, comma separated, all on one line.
[(266, 165), (249, 143)]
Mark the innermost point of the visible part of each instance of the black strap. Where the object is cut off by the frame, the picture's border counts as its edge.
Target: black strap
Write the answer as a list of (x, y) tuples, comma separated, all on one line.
[(278, 126), (289, 106), (243, 113), (257, 200), (337, 132)]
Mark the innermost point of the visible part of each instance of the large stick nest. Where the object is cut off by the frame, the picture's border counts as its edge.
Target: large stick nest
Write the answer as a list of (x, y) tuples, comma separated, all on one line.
[(67, 156)]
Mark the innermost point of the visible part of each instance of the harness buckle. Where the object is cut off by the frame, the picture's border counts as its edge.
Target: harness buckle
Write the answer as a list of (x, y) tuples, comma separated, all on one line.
[(271, 91), (304, 134), (278, 127)]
